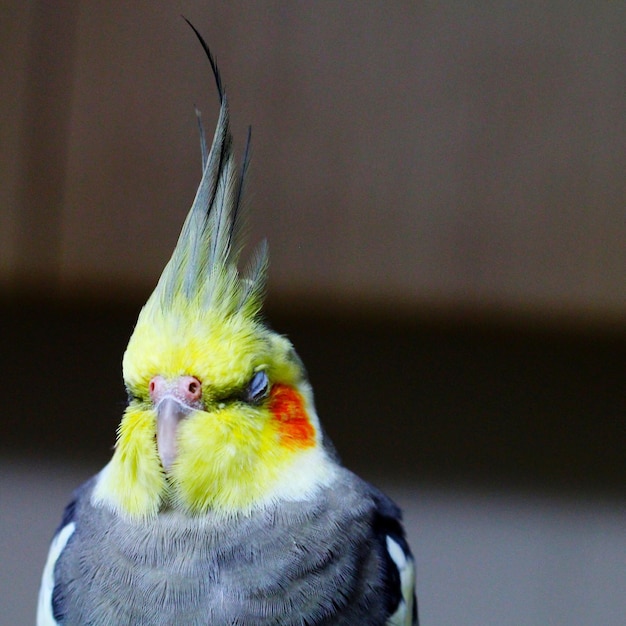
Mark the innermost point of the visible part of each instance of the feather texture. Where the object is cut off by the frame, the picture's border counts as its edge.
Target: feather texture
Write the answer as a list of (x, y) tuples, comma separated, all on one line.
[(203, 268)]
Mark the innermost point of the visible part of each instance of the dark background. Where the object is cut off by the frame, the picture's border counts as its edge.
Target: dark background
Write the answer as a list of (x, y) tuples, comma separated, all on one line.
[(449, 400)]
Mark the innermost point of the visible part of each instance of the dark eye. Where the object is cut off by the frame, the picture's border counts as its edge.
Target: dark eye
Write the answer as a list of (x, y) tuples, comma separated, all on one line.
[(258, 388), (132, 396)]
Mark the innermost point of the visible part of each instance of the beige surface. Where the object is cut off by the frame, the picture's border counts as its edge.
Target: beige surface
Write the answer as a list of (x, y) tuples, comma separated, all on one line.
[(483, 560), (459, 153)]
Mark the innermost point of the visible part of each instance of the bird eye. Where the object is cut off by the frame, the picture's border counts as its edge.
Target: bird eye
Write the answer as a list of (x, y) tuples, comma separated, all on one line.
[(258, 388), (132, 396)]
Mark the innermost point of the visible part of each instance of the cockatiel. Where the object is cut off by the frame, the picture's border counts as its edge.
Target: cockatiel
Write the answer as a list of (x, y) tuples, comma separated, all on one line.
[(223, 502)]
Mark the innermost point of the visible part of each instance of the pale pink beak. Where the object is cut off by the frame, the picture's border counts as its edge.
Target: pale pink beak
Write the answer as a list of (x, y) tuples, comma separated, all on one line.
[(173, 400)]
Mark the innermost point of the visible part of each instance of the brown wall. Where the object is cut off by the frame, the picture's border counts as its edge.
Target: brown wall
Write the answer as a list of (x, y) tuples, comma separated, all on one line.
[(460, 154)]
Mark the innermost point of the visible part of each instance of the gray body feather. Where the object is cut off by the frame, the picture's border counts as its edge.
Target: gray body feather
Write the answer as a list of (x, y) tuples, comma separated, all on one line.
[(298, 563)]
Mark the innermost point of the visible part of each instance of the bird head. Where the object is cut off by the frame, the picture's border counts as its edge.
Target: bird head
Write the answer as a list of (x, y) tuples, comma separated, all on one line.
[(220, 415)]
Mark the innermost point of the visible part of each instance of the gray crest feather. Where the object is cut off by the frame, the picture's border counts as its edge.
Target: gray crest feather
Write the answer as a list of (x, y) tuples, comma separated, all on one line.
[(203, 267)]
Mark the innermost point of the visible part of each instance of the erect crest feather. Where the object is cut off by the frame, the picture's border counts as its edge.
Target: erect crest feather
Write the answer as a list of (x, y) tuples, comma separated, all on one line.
[(202, 271)]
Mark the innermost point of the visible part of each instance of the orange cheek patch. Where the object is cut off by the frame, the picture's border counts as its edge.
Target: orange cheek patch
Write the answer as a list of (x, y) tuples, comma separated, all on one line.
[(287, 407)]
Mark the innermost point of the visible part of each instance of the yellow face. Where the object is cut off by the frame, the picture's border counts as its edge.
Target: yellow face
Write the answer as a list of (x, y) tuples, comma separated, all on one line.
[(240, 445)]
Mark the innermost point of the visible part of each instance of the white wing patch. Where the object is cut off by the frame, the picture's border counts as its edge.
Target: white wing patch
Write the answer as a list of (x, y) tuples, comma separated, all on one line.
[(44, 606), (404, 613)]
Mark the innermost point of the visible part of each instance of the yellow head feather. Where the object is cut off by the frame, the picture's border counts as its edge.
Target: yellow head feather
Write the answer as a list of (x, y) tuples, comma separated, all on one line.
[(203, 320)]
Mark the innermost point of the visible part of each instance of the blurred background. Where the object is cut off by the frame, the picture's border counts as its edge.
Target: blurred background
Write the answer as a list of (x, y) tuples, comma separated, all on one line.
[(442, 187)]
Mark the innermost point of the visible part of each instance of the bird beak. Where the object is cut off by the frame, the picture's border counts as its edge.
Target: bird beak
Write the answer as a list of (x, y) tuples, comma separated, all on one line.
[(170, 413)]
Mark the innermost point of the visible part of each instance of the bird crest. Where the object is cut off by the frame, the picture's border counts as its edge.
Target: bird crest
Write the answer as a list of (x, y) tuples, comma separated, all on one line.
[(201, 293), (202, 273)]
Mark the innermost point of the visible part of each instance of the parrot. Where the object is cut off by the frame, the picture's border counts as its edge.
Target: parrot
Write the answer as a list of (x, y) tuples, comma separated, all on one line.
[(224, 502)]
